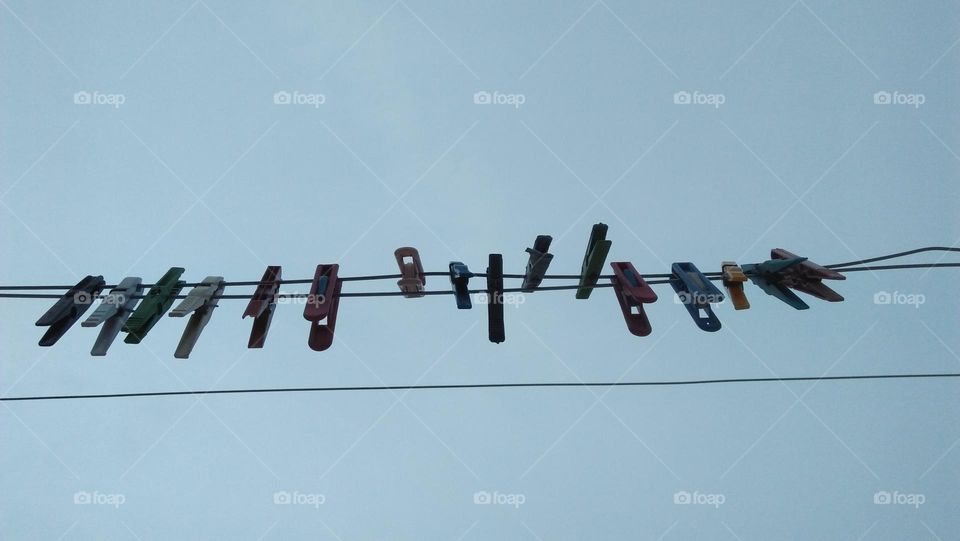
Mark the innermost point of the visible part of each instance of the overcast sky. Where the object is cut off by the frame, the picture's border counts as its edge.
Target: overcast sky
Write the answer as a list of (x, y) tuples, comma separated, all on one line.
[(224, 137)]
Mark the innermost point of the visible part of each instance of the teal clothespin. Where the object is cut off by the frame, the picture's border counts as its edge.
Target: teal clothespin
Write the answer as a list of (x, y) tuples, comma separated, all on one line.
[(767, 276), (156, 303), (593, 259)]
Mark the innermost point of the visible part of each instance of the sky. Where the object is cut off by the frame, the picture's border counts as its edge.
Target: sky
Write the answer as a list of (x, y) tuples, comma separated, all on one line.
[(223, 137)]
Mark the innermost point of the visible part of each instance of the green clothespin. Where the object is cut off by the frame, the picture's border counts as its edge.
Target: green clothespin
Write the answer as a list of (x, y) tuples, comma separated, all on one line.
[(593, 259), (156, 303)]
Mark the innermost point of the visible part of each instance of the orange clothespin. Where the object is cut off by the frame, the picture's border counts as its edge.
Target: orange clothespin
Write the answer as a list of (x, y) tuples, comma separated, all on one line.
[(733, 279)]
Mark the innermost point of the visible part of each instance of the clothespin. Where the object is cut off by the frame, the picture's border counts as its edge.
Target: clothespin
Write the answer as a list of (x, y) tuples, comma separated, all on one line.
[(632, 293), (495, 298), (322, 304), (597, 249), (113, 312), (201, 300), (156, 303), (538, 263), (262, 305), (697, 293), (733, 279), (460, 277), (68, 308), (786, 270), (413, 278)]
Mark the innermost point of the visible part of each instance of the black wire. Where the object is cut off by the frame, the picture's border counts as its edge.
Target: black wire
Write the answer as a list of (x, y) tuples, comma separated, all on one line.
[(475, 291), (651, 278), (894, 256), (481, 386)]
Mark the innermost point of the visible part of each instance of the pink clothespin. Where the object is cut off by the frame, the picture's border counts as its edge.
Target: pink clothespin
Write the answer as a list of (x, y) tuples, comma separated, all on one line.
[(413, 279)]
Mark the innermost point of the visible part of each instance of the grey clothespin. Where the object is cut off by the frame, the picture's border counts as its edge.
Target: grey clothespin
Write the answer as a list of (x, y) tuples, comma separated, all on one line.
[(201, 301), (113, 312), (539, 261)]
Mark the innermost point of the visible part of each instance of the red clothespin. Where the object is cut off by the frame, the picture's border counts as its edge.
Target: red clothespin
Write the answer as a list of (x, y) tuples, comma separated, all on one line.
[(413, 278), (262, 306), (322, 303), (807, 277), (632, 293)]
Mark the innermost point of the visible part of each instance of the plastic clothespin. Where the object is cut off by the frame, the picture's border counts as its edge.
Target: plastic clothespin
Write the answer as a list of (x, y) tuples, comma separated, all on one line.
[(632, 293), (697, 293), (262, 305), (201, 300), (786, 270), (460, 277), (69, 308), (596, 254), (413, 278), (113, 312), (322, 304), (156, 303), (495, 298), (538, 263), (733, 279)]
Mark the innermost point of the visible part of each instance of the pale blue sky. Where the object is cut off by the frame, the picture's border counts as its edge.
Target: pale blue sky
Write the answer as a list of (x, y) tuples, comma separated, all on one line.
[(798, 156)]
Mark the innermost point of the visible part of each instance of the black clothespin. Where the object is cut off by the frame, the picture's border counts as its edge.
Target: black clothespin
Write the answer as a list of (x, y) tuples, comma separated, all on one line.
[(69, 308), (597, 249), (262, 305), (538, 263), (495, 298), (460, 277)]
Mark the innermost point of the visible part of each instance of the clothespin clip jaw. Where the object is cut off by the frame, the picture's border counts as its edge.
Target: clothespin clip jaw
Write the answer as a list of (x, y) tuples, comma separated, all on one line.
[(156, 303), (593, 259), (495, 325), (697, 293), (69, 308), (632, 293), (733, 279), (262, 305), (460, 278), (538, 263), (807, 276), (113, 312), (201, 300), (413, 279), (322, 304)]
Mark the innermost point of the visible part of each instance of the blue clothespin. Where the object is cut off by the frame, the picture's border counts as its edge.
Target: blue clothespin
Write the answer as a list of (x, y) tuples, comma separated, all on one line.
[(460, 276), (697, 293), (113, 312)]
